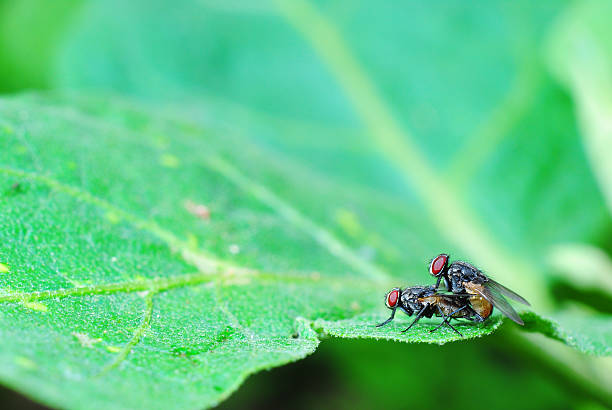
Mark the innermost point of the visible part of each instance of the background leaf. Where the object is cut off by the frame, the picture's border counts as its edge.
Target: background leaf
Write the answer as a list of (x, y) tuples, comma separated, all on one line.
[(30, 35), (580, 52)]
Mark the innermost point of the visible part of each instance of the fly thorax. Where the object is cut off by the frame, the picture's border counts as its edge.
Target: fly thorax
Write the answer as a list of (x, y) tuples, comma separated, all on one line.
[(457, 284)]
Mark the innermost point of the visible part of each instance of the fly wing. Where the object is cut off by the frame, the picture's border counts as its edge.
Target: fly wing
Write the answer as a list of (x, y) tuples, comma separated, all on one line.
[(496, 299), (498, 287)]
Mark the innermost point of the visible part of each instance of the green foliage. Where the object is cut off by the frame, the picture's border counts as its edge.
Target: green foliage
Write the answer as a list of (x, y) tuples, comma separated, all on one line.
[(588, 332), (498, 129), (101, 295), (30, 32), (274, 171), (581, 56), (122, 297), (95, 276)]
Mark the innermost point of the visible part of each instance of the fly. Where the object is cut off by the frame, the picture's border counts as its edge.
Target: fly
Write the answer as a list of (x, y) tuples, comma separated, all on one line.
[(425, 301), (463, 278)]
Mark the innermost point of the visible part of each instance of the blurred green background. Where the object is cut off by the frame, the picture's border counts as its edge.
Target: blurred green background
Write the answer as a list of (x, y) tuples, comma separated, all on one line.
[(510, 102)]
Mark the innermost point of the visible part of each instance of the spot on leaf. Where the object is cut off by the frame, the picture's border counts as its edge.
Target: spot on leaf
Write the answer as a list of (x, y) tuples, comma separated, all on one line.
[(85, 340), (198, 210)]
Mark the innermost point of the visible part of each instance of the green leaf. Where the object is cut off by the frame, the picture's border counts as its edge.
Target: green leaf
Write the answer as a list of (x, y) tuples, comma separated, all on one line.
[(115, 291), (358, 328), (291, 167), (584, 331), (584, 266), (588, 333), (118, 292)]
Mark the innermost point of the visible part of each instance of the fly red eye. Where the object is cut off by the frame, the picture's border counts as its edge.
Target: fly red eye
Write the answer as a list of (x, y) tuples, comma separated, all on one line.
[(438, 264), (392, 298)]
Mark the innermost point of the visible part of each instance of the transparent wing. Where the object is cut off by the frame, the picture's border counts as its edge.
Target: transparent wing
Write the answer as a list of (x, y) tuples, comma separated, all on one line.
[(497, 299), (498, 287)]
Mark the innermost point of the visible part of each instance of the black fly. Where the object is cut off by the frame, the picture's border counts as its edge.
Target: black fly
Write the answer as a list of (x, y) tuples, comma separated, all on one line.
[(425, 301), (462, 277)]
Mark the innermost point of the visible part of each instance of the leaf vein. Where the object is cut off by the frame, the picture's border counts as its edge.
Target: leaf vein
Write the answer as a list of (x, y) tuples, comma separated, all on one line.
[(136, 337), (163, 284)]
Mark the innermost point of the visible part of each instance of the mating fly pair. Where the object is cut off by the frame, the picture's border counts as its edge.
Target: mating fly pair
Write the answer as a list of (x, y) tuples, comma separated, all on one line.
[(473, 296)]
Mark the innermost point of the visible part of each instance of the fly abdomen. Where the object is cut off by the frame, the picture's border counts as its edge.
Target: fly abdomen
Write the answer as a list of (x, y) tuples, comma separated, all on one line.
[(480, 305)]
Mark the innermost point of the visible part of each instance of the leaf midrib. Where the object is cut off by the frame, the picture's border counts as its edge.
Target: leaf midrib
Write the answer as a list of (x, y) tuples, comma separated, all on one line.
[(192, 279)]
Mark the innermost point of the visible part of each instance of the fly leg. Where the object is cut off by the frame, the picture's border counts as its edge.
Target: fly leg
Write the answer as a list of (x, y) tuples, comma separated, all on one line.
[(416, 319), (473, 315), (388, 320), (478, 318), (438, 282), (451, 316), (444, 321), (447, 320)]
